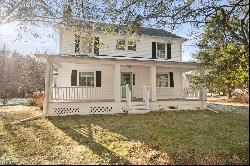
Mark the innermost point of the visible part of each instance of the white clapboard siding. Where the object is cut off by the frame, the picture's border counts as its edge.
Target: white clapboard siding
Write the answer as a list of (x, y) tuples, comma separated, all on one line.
[(65, 69), (143, 46)]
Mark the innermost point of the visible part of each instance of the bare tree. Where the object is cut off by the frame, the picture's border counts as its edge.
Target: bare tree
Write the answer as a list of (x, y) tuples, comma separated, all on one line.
[(132, 13), (20, 74)]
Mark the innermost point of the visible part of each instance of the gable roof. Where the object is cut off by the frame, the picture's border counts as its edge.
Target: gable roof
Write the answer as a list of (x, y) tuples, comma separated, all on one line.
[(158, 32), (90, 25)]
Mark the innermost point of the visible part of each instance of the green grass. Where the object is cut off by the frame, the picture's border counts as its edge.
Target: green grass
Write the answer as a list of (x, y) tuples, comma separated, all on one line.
[(174, 137)]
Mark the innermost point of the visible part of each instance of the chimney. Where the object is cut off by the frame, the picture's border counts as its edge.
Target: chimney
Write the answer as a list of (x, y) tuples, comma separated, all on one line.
[(67, 12)]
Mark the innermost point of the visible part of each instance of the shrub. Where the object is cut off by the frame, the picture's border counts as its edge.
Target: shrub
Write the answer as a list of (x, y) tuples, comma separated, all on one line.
[(240, 95), (36, 99)]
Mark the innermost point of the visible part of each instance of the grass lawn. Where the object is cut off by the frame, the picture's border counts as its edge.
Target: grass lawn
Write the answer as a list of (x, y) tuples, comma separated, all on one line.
[(173, 137)]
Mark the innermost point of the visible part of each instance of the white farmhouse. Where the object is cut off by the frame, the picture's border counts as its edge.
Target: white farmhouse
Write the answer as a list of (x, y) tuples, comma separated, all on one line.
[(102, 73)]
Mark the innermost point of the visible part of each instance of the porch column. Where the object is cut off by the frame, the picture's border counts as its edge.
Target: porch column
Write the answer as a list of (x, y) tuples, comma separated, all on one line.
[(48, 81), (203, 91), (182, 84), (117, 83), (153, 83)]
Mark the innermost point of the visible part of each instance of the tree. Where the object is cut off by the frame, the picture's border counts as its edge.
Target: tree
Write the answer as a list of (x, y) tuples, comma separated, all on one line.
[(132, 13), (19, 74), (225, 58)]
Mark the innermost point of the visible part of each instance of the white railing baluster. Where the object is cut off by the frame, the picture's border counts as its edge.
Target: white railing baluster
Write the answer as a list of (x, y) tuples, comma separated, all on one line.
[(146, 95), (128, 95), (176, 92), (82, 93)]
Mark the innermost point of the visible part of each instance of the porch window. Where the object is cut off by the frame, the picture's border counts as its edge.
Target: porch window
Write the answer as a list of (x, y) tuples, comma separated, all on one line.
[(162, 80), (120, 45), (132, 45), (160, 50), (86, 79)]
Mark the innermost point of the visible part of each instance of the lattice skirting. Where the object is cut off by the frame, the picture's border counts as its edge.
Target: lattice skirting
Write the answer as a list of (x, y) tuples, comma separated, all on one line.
[(100, 110), (125, 109), (66, 111)]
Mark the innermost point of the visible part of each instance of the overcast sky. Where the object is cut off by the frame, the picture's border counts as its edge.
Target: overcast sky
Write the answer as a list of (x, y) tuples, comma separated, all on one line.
[(48, 40)]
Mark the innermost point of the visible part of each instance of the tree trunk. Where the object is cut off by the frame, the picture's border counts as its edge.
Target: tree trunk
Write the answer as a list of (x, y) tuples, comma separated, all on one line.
[(229, 95), (223, 92)]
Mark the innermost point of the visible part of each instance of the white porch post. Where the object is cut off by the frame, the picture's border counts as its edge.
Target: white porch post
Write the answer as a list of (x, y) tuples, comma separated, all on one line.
[(182, 84), (153, 83), (117, 83), (48, 80), (203, 91)]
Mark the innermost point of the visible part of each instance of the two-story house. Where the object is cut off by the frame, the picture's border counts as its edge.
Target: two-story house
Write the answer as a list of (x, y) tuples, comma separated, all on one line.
[(103, 73)]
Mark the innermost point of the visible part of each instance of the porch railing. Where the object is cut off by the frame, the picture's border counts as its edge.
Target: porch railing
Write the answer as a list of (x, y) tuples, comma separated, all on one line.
[(168, 92), (176, 92), (191, 93), (82, 93)]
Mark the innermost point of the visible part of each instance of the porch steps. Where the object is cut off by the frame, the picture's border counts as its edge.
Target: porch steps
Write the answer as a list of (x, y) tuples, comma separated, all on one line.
[(138, 108)]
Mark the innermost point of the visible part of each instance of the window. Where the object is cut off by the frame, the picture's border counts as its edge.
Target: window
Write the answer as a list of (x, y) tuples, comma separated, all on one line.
[(86, 44), (162, 80), (120, 45), (132, 45), (55, 70), (86, 79), (160, 50), (83, 44)]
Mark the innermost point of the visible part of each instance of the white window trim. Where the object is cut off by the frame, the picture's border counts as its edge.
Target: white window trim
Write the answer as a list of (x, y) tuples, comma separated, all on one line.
[(78, 74), (125, 46), (157, 50), (168, 80), (80, 46), (131, 45)]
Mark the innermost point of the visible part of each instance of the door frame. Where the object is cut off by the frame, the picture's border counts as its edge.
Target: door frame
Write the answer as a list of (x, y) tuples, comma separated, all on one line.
[(131, 80)]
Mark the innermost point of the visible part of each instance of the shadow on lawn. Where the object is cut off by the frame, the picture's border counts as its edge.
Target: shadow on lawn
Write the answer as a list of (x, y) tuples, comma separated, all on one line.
[(83, 134), (165, 139)]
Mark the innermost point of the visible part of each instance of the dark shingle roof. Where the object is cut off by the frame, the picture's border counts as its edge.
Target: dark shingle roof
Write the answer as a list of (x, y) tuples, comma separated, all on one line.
[(157, 32), (118, 28)]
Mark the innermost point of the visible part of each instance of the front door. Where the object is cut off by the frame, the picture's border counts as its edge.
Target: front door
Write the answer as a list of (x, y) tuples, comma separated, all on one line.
[(126, 78)]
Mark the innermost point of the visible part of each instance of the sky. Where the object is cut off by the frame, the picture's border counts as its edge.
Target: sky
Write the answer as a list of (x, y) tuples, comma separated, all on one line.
[(48, 40)]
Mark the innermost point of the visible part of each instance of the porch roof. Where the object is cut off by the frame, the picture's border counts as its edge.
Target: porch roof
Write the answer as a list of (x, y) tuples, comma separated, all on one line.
[(122, 60)]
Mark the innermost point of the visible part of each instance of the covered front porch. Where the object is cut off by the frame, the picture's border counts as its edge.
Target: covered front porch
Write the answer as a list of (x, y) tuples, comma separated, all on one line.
[(162, 84), (118, 81)]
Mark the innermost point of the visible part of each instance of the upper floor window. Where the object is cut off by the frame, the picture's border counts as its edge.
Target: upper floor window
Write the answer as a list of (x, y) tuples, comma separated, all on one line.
[(121, 44), (161, 50), (132, 45), (87, 44), (83, 44)]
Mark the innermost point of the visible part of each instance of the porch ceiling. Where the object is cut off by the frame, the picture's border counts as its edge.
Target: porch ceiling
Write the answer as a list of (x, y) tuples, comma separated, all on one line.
[(66, 58)]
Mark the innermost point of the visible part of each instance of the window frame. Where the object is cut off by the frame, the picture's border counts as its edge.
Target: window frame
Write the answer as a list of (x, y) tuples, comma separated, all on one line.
[(117, 44), (78, 78), (157, 56), (168, 80), (131, 45), (81, 39), (81, 45)]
